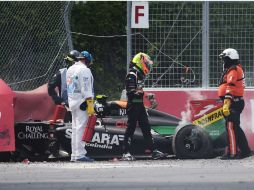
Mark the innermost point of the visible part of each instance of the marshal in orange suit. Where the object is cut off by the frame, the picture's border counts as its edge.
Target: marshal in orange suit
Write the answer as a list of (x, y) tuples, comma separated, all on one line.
[(231, 91)]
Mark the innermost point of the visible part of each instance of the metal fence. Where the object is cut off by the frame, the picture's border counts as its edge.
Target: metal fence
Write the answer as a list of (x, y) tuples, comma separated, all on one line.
[(185, 39), (34, 37)]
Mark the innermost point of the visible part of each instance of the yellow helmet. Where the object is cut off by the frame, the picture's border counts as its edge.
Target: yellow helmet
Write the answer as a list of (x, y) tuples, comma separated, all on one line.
[(143, 62)]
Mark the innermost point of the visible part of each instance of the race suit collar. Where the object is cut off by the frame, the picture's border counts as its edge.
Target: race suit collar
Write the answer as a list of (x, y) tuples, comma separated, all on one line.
[(80, 63)]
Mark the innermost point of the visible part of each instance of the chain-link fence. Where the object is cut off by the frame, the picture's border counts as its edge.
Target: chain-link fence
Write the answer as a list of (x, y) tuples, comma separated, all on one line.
[(185, 39), (34, 37), (232, 25)]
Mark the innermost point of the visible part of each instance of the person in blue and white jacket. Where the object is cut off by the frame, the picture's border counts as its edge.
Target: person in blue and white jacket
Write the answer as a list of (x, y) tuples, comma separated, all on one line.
[(80, 97)]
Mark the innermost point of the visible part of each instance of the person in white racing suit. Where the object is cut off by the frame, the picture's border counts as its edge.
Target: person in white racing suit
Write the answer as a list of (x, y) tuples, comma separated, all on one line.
[(80, 97)]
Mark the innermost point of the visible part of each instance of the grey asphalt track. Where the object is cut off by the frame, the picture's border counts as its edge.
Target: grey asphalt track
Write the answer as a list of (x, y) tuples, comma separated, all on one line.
[(139, 175)]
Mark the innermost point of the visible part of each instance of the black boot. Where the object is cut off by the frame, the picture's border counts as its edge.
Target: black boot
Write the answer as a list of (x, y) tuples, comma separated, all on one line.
[(157, 154)]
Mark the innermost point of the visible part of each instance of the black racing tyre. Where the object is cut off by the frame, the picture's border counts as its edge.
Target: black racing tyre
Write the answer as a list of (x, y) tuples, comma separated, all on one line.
[(192, 142), (5, 156)]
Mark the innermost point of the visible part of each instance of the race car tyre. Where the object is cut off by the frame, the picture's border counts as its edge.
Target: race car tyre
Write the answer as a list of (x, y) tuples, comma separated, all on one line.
[(192, 142), (5, 156)]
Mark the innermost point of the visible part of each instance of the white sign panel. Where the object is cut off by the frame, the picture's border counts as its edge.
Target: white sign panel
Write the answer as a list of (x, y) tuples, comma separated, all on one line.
[(140, 14)]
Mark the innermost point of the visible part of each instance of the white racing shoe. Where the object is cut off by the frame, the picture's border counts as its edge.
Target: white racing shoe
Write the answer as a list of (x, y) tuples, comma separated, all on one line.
[(127, 157)]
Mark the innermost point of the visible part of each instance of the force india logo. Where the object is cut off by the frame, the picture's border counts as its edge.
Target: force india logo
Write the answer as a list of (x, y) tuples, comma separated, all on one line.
[(105, 140), (101, 140), (209, 118)]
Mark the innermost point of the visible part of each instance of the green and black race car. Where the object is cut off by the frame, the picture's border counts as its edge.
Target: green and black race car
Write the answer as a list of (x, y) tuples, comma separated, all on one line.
[(202, 137)]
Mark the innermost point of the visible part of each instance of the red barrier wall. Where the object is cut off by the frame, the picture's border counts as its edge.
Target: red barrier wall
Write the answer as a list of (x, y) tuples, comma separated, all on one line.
[(174, 101), (7, 138)]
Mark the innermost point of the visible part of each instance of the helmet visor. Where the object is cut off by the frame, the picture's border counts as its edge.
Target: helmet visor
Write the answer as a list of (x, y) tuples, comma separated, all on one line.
[(222, 55)]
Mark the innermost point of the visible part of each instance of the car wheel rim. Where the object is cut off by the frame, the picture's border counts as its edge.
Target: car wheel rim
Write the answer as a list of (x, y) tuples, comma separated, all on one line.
[(192, 142)]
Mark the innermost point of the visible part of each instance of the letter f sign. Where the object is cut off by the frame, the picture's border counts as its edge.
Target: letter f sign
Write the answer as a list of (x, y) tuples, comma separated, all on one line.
[(138, 12), (140, 15)]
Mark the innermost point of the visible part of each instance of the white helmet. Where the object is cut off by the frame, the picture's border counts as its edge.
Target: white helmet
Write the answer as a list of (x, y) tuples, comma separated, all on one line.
[(231, 53)]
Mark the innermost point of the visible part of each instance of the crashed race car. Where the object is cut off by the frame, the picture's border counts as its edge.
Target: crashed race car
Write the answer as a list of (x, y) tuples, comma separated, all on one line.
[(44, 140)]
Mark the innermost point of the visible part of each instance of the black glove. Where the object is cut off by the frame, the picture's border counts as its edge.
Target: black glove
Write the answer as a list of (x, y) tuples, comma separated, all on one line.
[(139, 94), (83, 106), (57, 100)]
